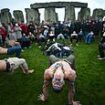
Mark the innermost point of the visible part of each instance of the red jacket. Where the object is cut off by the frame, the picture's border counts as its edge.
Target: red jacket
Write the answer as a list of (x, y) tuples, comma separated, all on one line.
[(3, 32), (24, 27)]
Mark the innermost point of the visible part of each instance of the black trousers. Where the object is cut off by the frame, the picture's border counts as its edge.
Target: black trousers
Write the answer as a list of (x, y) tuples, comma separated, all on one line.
[(101, 50)]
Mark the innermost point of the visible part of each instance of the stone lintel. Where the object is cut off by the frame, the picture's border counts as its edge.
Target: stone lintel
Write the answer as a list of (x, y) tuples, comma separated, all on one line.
[(58, 4)]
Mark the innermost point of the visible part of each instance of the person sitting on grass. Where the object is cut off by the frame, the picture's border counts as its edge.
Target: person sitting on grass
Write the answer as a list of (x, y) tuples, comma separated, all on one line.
[(101, 48), (59, 50), (89, 37), (25, 41), (54, 49), (74, 36), (13, 63), (60, 71), (13, 48)]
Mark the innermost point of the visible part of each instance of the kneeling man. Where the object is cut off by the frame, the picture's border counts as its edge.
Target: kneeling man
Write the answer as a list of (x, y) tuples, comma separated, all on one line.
[(61, 70)]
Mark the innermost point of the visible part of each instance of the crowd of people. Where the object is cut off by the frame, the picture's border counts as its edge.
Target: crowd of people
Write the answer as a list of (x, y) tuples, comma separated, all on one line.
[(77, 30), (15, 37)]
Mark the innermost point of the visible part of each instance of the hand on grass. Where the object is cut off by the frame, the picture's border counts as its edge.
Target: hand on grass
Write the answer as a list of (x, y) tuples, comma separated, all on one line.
[(76, 103), (41, 97)]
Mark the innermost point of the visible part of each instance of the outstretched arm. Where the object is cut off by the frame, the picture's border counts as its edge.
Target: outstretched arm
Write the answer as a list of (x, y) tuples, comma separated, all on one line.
[(24, 66), (71, 87), (71, 92), (45, 89), (44, 95)]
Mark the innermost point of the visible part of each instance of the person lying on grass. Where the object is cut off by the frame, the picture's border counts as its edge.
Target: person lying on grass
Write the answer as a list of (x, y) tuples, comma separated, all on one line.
[(13, 63), (13, 47), (61, 70)]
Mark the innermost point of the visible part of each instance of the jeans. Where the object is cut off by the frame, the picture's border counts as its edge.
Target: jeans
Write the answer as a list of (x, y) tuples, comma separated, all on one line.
[(15, 49), (88, 39)]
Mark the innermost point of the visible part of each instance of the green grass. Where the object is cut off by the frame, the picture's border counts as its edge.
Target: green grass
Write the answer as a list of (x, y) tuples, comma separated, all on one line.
[(21, 89)]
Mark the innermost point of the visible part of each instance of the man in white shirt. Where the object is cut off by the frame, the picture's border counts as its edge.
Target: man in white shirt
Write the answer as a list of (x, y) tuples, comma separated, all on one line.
[(13, 63)]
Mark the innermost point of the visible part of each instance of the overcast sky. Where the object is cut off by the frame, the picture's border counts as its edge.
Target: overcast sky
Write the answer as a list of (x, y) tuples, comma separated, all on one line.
[(21, 4)]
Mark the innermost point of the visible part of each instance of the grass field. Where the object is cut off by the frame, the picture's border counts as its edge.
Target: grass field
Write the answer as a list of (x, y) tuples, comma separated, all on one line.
[(21, 89)]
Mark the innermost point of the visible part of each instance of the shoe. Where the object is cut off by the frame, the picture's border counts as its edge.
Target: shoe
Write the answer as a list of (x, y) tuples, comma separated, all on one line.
[(39, 46), (76, 44), (98, 56), (30, 46), (101, 58), (30, 71), (71, 44), (22, 50)]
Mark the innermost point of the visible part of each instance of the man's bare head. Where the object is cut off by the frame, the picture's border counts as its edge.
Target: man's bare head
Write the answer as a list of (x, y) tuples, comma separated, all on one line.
[(57, 83)]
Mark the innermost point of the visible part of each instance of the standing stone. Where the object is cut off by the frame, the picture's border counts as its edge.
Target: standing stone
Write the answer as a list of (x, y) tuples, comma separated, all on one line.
[(104, 16), (50, 15), (104, 12), (0, 17), (69, 13), (5, 16), (18, 15), (98, 14), (32, 15), (84, 14)]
